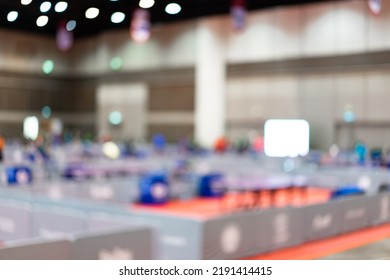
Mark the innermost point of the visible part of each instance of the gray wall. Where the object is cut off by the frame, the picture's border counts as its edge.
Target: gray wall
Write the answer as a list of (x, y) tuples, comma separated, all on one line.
[(308, 46), (316, 89), (26, 94)]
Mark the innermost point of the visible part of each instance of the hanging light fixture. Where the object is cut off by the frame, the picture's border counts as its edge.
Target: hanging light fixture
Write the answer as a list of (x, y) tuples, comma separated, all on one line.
[(140, 26), (238, 14), (375, 6), (71, 25), (64, 37)]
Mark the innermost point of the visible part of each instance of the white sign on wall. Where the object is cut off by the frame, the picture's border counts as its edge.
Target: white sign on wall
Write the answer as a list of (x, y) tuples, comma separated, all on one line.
[(286, 138)]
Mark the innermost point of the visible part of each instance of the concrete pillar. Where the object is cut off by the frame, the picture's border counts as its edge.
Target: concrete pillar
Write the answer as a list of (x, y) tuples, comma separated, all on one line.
[(210, 82)]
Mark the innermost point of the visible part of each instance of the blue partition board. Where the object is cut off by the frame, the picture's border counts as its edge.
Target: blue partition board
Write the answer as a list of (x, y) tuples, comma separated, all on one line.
[(19, 175), (154, 189), (211, 185)]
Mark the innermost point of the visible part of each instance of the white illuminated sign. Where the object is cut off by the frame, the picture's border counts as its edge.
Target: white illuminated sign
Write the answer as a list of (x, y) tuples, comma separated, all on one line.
[(286, 138)]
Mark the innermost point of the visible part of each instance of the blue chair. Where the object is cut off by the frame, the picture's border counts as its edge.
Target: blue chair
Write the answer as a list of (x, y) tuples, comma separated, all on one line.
[(159, 142)]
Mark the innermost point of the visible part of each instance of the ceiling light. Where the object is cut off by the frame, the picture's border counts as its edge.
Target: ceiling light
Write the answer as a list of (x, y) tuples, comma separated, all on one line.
[(61, 6), (45, 7), (140, 26), (26, 2), (117, 17), (146, 4), (92, 13), (42, 21), (12, 16), (173, 9), (71, 25)]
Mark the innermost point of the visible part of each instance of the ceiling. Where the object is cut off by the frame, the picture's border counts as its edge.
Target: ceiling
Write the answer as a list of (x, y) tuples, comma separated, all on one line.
[(28, 14)]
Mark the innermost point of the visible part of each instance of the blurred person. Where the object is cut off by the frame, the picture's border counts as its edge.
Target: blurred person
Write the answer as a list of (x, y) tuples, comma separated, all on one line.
[(2, 145), (41, 146), (129, 148), (159, 142), (221, 145), (360, 151), (258, 144), (193, 146), (242, 145)]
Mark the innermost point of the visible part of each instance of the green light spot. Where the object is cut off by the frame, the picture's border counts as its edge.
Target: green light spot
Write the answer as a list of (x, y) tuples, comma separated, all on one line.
[(115, 118), (46, 112), (116, 63), (48, 66)]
